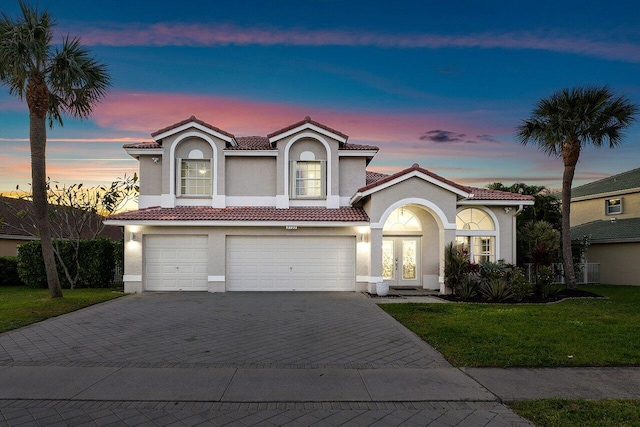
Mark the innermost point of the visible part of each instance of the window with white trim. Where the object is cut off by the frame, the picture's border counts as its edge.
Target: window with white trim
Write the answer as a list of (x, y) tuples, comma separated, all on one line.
[(613, 206), (476, 235), (309, 179), (195, 177)]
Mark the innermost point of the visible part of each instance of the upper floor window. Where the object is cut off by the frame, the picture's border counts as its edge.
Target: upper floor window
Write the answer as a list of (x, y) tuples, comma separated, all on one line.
[(195, 177), (309, 179), (613, 206)]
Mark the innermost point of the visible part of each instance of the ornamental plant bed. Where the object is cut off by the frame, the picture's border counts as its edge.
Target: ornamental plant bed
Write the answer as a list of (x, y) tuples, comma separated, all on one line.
[(531, 299)]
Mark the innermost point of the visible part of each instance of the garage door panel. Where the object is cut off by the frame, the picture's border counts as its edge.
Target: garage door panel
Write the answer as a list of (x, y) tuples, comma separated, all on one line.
[(305, 263), (175, 262)]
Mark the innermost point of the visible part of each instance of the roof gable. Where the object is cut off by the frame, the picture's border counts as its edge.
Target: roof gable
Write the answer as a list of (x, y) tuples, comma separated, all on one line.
[(193, 122), (305, 124), (622, 182)]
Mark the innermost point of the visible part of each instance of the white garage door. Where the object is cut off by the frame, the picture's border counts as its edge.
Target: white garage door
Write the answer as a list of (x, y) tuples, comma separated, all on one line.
[(176, 263), (290, 263)]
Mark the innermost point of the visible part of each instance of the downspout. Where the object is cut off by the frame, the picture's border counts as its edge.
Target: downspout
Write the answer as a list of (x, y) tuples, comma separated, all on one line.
[(513, 234)]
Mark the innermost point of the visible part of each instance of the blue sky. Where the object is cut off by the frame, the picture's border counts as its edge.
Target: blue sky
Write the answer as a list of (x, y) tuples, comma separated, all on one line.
[(443, 84)]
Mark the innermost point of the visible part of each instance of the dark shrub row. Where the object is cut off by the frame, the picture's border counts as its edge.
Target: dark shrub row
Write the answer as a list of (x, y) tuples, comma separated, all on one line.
[(9, 271), (96, 261)]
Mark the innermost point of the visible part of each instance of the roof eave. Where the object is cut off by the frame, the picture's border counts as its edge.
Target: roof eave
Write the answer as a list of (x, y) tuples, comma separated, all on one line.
[(306, 126)]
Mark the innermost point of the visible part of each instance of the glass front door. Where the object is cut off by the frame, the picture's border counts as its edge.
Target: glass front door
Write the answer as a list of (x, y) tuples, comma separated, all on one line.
[(400, 261)]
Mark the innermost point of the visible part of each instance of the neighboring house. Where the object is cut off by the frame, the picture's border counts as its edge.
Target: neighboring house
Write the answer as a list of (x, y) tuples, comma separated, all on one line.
[(608, 213), (297, 210), (17, 228)]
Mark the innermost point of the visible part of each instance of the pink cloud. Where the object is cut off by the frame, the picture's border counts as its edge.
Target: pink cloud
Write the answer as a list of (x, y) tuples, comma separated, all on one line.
[(179, 34)]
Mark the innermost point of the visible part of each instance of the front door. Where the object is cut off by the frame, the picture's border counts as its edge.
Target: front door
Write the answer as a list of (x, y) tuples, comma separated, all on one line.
[(400, 261)]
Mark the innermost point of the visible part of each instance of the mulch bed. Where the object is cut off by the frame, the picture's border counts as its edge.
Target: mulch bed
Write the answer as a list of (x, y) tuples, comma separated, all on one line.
[(533, 299)]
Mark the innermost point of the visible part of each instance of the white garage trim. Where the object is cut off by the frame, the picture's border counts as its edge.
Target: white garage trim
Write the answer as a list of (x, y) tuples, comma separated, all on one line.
[(291, 263), (176, 262)]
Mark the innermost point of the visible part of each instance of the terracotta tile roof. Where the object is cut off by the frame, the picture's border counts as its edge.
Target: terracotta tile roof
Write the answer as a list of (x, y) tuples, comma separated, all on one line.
[(307, 120), (358, 147), (623, 181), (606, 230), (143, 145), (252, 143), (486, 194), (189, 120), (375, 176), (375, 179), (244, 213), (414, 167)]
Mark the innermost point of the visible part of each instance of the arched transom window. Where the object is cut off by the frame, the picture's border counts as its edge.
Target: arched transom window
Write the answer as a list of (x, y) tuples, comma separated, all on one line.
[(476, 234), (402, 220)]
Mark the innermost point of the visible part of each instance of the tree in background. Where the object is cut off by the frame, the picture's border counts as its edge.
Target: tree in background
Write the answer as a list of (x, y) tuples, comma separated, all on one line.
[(562, 125), (546, 206), (75, 212), (56, 81)]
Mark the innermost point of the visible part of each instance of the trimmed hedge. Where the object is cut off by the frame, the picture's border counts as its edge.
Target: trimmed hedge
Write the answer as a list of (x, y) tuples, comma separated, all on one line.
[(9, 271), (96, 260)]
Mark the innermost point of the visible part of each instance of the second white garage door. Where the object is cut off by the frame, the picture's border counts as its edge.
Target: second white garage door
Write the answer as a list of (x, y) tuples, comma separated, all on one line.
[(290, 263)]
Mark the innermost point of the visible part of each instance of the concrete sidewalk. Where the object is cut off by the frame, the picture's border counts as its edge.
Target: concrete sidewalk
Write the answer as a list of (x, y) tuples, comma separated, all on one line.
[(568, 383)]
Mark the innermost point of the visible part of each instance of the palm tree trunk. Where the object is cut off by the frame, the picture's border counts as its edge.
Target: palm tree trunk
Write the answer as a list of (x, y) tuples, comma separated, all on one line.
[(38, 100), (567, 255)]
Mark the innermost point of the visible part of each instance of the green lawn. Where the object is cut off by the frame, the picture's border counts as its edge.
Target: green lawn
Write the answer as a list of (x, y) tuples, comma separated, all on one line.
[(584, 332), (580, 413), (21, 305)]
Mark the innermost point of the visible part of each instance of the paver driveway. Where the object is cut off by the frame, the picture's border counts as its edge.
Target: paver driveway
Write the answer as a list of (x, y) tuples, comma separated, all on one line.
[(298, 359), (233, 329)]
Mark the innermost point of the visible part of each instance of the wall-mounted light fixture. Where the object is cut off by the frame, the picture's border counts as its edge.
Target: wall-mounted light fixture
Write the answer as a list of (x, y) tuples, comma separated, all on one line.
[(155, 159), (132, 236), (507, 209)]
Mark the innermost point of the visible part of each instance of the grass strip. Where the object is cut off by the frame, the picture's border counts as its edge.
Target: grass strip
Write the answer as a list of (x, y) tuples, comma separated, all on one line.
[(21, 305)]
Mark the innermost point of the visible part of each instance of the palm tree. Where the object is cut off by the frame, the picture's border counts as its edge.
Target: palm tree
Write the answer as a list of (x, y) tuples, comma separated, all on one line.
[(55, 80), (564, 123)]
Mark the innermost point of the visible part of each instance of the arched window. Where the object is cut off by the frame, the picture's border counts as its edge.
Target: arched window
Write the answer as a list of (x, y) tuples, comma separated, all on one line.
[(402, 220), (476, 234)]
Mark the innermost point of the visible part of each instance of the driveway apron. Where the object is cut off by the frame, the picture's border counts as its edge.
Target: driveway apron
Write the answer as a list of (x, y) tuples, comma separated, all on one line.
[(288, 349)]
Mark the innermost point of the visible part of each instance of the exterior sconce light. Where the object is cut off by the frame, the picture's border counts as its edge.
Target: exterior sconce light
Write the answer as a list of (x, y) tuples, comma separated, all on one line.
[(132, 236), (507, 209), (155, 159)]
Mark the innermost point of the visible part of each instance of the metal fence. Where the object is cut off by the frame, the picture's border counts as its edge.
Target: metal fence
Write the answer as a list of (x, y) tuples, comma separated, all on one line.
[(118, 272), (586, 273)]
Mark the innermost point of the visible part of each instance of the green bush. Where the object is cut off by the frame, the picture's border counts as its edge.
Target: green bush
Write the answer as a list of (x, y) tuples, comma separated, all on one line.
[(520, 286), (95, 259), (496, 289), (545, 282), (9, 271)]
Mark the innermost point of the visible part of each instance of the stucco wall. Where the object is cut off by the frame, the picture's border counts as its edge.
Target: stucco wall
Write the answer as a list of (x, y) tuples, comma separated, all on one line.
[(251, 176), (150, 176), (591, 210), (9, 247), (411, 188), (618, 262), (352, 175)]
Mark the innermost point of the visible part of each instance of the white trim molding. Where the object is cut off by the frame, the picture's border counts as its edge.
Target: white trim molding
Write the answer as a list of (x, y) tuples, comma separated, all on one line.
[(216, 278), (287, 148), (307, 126), (200, 128), (136, 152), (251, 153), (480, 202), (357, 153), (194, 223), (132, 278), (215, 167), (439, 213)]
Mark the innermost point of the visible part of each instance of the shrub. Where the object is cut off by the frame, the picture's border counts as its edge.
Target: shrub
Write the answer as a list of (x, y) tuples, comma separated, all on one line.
[(496, 290), (9, 271), (468, 288), (456, 267), (544, 282), (494, 270), (95, 261), (520, 286)]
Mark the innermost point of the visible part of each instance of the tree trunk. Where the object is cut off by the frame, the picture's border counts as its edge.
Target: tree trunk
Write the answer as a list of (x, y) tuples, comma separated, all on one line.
[(38, 101), (570, 154)]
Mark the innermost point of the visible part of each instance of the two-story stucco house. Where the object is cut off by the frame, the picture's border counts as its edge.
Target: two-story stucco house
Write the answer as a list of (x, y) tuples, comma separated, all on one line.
[(607, 212), (297, 210)]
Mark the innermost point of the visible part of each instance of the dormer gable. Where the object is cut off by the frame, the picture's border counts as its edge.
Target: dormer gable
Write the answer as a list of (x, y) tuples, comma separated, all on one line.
[(307, 124), (193, 122)]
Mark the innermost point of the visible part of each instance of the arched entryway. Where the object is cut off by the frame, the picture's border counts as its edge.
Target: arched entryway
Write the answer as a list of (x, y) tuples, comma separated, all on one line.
[(402, 248)]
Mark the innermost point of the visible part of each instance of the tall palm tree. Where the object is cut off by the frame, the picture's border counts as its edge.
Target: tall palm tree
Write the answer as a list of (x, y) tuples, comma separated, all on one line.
[(56, 81), (562, 125)]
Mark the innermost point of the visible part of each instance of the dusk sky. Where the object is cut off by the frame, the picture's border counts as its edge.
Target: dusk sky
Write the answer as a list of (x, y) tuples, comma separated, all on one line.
[(440, 83)]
